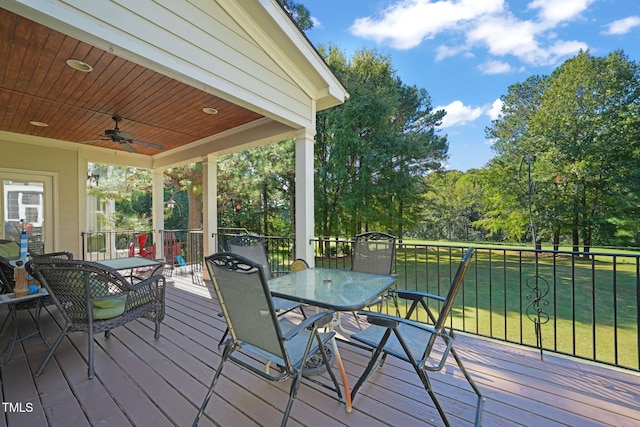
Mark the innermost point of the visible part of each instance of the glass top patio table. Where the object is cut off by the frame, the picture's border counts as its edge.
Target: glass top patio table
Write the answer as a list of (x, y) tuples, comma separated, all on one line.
[(129, 263), (334, 289)]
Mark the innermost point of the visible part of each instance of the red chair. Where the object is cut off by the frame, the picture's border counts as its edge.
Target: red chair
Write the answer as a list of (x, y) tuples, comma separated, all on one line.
[(150, 251)]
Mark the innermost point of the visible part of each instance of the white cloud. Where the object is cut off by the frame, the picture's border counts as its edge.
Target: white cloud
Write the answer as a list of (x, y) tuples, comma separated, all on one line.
[(472, 24), (316, 23), (553, 12), (622, 26), (406, 23), (496, 109), (443, 52), (507, 35), (459, 114), (495, 67)]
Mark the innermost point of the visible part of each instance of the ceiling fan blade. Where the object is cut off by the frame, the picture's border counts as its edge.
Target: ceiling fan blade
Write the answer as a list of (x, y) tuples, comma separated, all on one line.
[(127, 146), (147, 144), (94, 140), (124, 134)]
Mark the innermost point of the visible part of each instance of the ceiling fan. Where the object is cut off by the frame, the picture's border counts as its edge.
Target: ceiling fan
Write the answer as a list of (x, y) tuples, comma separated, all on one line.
[(123, 138)]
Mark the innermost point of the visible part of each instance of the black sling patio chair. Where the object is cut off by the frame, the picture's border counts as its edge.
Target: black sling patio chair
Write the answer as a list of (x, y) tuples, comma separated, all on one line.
[(253, 248), (254, 327), (373, 252), (92, 298), (414, 341)]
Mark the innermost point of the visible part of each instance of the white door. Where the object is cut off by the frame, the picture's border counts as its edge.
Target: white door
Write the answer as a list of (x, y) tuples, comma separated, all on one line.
[(26, 203)]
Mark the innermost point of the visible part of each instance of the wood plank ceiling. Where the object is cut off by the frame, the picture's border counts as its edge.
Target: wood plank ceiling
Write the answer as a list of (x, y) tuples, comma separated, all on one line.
[(36, 84)]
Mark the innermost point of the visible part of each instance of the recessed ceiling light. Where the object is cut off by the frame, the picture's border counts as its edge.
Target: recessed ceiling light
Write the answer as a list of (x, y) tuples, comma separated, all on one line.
[(41, 124), (210, 110), (76, 64)]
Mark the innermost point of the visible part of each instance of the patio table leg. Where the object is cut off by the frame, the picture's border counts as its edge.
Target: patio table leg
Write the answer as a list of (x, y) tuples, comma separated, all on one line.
[(343, 374)]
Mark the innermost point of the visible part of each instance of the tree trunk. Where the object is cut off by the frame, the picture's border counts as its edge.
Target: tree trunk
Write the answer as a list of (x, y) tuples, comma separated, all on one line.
[(575, 238), (556, 240), (195, 217), (265, 214)]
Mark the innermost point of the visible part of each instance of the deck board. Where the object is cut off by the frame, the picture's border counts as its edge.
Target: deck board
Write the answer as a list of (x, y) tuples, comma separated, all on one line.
[(143, 382)]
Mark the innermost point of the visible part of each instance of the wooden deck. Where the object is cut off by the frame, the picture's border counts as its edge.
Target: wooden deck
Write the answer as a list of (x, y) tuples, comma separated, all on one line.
[(142, 382)]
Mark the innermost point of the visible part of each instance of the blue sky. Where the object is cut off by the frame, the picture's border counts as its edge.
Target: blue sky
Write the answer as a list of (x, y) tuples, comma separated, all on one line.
[(466, 53)]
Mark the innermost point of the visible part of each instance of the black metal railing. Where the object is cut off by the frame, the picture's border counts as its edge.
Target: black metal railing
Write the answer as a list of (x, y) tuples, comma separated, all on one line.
[(182, 250), (580, 304)]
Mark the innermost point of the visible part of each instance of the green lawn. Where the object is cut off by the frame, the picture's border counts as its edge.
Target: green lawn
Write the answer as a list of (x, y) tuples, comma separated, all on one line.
[(595, 301)]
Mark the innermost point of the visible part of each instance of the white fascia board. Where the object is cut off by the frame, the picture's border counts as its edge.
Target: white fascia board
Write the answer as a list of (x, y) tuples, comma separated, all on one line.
[(331, 86)]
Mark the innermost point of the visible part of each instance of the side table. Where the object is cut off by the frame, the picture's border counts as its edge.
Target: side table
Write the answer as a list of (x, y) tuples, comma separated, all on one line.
[(11, 300)]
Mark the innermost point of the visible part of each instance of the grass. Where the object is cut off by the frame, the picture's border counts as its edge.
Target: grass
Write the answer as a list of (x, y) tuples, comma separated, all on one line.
[(591, 304)]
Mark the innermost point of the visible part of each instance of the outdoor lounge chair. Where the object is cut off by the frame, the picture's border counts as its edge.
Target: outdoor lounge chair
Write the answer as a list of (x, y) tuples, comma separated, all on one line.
[(92, 298), (254, 327), (414, 341)]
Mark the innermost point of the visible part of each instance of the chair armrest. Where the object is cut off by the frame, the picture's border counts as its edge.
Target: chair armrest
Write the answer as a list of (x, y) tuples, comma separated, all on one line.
[(319, 320), (388, 321), (152, 281), (148, 290), (415, 295)]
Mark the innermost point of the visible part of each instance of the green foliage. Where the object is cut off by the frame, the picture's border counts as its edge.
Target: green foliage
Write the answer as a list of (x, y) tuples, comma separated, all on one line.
[(579, 129), (299, 13), (130, 189), (453, 201), (257, 189), (372, 152), (185, 182)]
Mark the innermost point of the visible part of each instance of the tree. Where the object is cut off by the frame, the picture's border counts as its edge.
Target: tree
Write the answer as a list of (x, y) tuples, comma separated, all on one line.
[(452, 206), (299, 14), (578, 131), (414, 149), (257, 189), (129, 188), (372, 152), (188, 178)]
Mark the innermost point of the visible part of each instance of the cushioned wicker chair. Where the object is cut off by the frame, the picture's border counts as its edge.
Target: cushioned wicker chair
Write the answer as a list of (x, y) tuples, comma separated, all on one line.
[(92, 299), (254, 327), (7, 283), (414, 341)]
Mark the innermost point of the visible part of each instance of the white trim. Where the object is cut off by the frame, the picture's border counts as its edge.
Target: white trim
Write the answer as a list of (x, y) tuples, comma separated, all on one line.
[(51, 211)]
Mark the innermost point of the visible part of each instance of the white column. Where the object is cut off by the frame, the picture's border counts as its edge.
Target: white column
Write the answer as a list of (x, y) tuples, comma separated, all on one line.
[(83, 171), (304, 195), (157, 210), (210, 206)]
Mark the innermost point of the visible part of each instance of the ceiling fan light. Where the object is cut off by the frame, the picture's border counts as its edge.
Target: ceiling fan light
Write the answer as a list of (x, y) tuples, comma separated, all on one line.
[(76, 64), (40, 124), (210, 110)]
